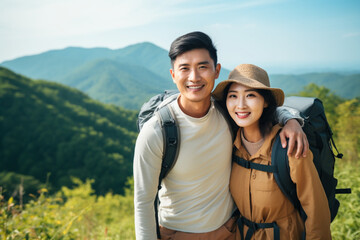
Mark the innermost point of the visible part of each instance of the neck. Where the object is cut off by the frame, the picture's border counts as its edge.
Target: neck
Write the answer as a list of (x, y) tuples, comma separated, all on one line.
[(195, 109), (252, 133)]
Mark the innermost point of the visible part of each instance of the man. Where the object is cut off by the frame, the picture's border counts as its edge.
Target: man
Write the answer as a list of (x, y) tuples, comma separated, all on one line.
[(195, 198)]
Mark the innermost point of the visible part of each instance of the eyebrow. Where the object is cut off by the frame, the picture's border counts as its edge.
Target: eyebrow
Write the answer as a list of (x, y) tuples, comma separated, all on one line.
[(200, 63), (204, 62), (248, 90)]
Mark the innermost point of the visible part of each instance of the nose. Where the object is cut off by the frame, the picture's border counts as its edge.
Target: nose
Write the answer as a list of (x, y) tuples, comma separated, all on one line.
[(241, 103), (194, 75)]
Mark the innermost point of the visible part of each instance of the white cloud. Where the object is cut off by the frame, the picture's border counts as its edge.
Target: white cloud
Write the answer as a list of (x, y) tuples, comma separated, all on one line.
[(56, 18), (69, 17)]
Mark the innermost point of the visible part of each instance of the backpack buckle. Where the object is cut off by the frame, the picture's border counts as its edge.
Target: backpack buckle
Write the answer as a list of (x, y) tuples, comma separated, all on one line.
[(169, 122), (172, 141)]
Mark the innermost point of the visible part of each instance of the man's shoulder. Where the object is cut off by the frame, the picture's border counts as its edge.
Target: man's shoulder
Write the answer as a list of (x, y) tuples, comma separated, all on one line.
[(151, 128)]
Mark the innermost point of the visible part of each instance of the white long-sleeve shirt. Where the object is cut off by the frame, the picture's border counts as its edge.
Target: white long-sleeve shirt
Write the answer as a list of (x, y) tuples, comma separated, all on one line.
[(195, 195)]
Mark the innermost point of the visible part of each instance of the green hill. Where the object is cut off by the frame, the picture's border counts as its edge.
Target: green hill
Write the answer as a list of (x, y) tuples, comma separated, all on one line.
[(112, 82), (46, 128), (346, 86)]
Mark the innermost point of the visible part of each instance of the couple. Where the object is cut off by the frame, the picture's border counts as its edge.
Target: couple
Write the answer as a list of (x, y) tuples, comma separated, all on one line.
[(197, 196)]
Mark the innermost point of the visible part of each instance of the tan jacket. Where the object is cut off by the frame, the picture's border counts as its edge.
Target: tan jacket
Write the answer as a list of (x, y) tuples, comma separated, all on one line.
[(260, 200)]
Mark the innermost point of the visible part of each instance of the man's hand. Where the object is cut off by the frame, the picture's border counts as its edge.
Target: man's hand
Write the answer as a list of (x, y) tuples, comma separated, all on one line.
[(296, 135)]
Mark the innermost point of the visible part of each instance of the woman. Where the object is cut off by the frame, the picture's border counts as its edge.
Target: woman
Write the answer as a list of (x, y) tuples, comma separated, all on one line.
[(265, 212)]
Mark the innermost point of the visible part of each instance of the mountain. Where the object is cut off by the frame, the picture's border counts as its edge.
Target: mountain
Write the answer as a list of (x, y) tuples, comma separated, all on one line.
[(141, 70), (129, 76), (126, 77), (112, 82), (54, 64), (48, 128), (346, 86)]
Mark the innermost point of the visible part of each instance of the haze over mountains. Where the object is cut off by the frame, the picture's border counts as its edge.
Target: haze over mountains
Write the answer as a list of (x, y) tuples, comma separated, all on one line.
[(130, 75)]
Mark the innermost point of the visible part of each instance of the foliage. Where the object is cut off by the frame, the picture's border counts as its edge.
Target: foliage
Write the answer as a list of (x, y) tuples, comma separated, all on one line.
[(49, 128), (17, 183), (79, 214), (70, 214), (347, 129)]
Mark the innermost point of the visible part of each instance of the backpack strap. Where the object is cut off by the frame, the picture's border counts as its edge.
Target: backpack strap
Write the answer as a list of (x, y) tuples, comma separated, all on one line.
[(171, 139), (251, 165), (253, 227), (171, 147), (280, 160)]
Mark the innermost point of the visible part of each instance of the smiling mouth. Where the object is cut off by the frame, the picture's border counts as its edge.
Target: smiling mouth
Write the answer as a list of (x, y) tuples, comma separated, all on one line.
[(195, 87), (242, 115)]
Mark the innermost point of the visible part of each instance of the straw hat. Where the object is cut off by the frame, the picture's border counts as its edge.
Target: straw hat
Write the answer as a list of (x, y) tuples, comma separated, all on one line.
[(250, 76)]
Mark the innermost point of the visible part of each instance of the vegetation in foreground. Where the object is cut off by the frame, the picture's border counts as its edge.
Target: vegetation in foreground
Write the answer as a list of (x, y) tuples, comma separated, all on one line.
[(70, 214), (79, 214)]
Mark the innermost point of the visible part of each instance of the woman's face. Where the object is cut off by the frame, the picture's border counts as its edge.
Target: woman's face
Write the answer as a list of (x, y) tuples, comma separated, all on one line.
[(245, 105)]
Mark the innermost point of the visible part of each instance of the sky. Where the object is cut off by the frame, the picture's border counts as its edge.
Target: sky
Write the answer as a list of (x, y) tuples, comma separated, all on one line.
[(282, 36)]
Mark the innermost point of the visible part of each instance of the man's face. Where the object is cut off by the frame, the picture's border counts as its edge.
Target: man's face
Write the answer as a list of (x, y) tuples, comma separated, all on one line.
[(194, 74)]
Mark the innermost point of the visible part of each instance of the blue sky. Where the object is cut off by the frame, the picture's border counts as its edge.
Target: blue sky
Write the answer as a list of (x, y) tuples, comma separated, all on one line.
[(279, 35)]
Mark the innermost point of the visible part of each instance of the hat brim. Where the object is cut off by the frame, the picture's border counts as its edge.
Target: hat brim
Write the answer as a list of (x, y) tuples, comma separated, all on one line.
[(218, 93)]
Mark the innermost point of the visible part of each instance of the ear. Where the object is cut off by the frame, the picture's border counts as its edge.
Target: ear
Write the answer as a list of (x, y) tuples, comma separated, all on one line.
[(172, 73), (266, 104), (217, 70)]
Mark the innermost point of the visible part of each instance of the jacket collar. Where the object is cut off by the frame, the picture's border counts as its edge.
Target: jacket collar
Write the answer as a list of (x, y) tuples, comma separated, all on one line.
[(264, 151)]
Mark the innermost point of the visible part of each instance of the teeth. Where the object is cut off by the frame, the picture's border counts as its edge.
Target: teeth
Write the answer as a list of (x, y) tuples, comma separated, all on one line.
[(242, 114), (194, 87)]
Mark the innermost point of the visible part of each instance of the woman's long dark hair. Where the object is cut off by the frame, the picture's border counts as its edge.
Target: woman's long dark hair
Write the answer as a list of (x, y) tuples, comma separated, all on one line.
[(267, 118)]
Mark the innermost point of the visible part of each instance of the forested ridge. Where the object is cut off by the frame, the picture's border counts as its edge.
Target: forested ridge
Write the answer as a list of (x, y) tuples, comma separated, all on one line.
[(50, 132)]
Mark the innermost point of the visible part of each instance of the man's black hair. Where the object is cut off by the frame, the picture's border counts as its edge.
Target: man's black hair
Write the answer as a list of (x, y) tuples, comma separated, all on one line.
[(190, 41)]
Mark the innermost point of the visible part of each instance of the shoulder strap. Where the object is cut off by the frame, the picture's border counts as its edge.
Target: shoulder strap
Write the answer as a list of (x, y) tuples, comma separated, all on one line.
[(251, 165), (171, 139), (280, 161)]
